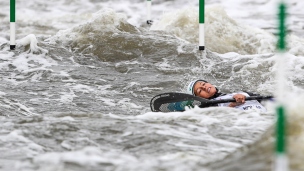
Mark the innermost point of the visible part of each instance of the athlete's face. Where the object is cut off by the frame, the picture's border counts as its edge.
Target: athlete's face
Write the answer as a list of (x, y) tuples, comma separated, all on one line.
[(203, 89)]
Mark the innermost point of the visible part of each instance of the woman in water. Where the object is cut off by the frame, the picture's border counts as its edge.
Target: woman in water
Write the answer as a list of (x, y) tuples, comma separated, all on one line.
[(204, 89)]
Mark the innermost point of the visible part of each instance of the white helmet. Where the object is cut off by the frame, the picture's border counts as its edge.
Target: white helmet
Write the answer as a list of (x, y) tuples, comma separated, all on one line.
[(191, 86)]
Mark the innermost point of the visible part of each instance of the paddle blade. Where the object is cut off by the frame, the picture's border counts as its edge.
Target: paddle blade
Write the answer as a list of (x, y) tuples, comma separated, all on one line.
[(171, 102)]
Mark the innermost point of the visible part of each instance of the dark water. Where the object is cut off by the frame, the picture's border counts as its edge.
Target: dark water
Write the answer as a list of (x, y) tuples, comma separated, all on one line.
[(82, 103)]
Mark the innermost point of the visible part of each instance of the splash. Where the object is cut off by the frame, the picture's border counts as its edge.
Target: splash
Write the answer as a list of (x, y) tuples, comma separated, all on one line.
[(222, 33), (103, 23), (31, 41), (107, 35)]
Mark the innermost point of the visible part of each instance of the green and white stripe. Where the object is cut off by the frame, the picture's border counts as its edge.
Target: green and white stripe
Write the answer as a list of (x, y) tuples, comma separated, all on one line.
[(12, 24), (281, 160), (201, 25), (149, 4)]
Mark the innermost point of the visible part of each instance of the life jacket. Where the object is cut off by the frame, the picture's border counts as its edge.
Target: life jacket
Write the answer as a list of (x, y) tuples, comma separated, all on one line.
[(249, 104)]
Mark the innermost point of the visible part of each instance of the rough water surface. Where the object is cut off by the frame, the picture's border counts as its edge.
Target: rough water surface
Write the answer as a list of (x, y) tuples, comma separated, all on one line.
[(75, 93)]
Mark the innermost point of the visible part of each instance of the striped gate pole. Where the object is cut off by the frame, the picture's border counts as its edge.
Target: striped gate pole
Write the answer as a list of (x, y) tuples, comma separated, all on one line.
[(12, 24), (281, 159), (201, 24), (149, 4)]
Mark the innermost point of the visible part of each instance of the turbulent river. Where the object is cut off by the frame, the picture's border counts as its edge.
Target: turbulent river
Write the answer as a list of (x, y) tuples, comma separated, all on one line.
[(75, 93)]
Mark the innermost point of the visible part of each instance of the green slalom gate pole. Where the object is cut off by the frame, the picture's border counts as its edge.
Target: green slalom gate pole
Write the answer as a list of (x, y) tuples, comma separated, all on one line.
[(149, 4), (12, 24), (201, 24), (281, 159)]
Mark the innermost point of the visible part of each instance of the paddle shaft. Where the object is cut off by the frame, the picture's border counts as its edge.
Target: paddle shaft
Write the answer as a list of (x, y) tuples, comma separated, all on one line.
[(233, 100)]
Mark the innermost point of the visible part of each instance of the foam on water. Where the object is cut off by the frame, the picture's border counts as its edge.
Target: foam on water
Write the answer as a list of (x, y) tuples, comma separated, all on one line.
[(32, 42), (25, 145), (101, 22), (239, 126), (245, 55), (86, 157), (222, 33)]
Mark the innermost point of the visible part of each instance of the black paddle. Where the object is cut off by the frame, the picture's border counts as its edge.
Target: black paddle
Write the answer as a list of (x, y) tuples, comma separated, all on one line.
[(170, 102)]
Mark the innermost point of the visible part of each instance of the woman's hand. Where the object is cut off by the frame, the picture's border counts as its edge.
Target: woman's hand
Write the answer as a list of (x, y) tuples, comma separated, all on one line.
[(240, 99)]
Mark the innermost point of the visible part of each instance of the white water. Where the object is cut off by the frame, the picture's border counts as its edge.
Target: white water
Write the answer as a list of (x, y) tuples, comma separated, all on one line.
[(239, 33)]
